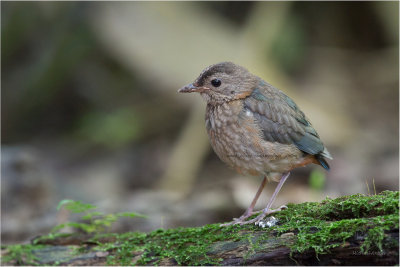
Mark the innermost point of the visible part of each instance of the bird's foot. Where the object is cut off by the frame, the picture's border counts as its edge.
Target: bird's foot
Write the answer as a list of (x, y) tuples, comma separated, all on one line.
[(264, 214), (242, 219)]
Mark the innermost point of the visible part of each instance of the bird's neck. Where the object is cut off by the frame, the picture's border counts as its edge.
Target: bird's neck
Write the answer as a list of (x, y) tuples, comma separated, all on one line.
[(219, 99), (215, 100), (225, 112)]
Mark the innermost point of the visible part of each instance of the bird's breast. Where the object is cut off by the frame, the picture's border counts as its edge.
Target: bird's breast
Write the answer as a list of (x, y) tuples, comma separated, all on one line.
[(238, 141)]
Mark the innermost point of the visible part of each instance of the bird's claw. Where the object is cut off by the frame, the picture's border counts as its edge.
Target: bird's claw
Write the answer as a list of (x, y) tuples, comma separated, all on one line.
[(239, 220), (257, 221)]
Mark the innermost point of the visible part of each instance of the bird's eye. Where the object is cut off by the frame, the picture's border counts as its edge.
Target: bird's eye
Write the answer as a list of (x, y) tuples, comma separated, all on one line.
[(216, 82)]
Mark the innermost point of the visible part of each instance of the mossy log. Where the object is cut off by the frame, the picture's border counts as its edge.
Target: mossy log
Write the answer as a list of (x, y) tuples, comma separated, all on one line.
[(351, 230)]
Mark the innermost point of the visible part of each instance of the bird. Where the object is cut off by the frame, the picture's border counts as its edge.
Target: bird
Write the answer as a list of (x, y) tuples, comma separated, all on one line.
[(256, 129)]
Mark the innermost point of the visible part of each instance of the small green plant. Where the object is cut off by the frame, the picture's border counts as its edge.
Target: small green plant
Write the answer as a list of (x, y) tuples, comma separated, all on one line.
[(92, 221), (20, 254)]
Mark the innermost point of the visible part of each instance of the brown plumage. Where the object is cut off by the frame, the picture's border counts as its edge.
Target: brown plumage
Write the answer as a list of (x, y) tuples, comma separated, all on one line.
[(255, 128)]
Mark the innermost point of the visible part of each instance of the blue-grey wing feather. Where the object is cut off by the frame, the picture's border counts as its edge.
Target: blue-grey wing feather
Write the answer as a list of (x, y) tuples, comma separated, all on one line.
[(281, 120)]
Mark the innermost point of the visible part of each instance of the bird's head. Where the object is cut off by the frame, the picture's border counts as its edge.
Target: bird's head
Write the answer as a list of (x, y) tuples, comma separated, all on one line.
[(222, 82)]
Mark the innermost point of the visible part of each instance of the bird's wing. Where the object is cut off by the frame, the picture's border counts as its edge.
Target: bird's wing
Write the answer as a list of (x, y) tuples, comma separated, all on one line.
[(282, 121)]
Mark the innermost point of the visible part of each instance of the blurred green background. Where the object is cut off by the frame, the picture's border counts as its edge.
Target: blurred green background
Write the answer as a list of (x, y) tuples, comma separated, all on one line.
[(90, 109)]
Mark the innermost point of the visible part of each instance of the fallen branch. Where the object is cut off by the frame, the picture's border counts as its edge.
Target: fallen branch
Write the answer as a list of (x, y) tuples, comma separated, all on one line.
[(351, 230)]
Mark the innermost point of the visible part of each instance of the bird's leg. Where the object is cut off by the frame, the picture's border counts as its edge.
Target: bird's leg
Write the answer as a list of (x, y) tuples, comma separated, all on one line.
[(267, 210), (249, 210)]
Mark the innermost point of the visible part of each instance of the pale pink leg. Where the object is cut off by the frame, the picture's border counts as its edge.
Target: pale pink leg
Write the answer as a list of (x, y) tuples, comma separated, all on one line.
[(249, 210), (267, 210)]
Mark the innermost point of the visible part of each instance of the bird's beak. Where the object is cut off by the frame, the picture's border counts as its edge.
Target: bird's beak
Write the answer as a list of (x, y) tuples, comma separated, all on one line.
[(190, 88)]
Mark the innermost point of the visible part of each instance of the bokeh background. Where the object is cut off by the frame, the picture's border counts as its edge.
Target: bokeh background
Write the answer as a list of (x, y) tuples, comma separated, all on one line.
[(90, 109)]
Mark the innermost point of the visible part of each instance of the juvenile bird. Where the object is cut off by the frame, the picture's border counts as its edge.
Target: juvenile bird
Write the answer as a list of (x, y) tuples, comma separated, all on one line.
[(256, 129)]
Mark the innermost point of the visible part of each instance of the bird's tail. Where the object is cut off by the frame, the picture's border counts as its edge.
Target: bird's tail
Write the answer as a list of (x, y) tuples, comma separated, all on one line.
[(322, 161)]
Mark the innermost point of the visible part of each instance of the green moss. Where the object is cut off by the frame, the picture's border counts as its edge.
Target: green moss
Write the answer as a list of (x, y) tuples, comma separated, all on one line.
[(184, 246), (325, 225), (318, 226)]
